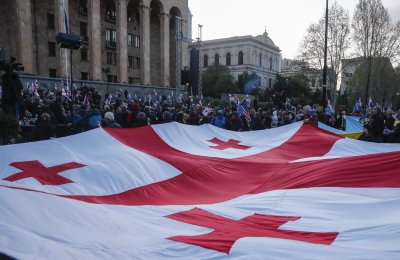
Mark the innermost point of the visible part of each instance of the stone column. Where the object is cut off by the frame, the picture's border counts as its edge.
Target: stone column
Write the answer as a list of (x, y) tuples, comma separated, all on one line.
[(122, 42), (165, 77), (95, 40), (64, 60), (145, 43), (25, 37)]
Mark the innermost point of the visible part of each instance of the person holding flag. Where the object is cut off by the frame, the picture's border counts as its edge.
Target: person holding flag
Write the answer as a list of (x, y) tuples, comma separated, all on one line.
[(248, 101), (244, 114)]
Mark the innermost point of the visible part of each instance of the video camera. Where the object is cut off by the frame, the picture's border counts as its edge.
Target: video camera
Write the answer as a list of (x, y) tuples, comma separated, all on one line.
[(11, 65)]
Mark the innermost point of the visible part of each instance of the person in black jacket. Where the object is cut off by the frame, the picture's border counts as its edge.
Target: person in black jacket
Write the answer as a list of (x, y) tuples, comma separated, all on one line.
[(373, 130), (11, 98)]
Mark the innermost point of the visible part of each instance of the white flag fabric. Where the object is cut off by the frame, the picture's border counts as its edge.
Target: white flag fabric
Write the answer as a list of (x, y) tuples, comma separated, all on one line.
[(200, 192)]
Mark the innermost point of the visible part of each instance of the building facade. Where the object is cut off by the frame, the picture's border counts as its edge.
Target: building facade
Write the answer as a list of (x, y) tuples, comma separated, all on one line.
[(348, 68), (129, 41), (292, 68), (243, 54)]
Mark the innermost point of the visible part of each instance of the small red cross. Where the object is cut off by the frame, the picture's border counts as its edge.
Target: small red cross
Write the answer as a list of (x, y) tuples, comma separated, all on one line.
[(46, 176), (227, 231), (231, 143)]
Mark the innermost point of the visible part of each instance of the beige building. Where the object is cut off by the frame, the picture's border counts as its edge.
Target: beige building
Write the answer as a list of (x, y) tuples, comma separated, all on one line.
[(134, 39), (244, 54)]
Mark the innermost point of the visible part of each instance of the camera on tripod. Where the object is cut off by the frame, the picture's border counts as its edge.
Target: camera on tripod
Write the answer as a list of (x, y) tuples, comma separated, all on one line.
[(10, 65)]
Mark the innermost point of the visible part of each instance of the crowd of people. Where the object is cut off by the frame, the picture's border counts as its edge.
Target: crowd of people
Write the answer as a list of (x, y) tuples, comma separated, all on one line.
[(58, 112)]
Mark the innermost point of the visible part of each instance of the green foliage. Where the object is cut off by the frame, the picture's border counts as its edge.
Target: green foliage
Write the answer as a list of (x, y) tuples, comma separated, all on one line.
[(382, 82), (294, 87), (217, 80)]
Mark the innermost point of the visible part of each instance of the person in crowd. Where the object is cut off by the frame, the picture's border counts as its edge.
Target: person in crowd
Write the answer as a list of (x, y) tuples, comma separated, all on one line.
[(45, 129), (220, 120), (310, 116), (344, 120), (274, 119), (373, 130), (92, 119), (167, 117), (109, 120), (235, 123), (389, 126)]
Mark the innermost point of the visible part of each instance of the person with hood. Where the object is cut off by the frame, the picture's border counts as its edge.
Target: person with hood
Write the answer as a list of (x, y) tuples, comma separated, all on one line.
[(219, 120)]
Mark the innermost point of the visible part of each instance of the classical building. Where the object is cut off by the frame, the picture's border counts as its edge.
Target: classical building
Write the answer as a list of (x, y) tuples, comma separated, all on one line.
[(130, 41), (243, 54)]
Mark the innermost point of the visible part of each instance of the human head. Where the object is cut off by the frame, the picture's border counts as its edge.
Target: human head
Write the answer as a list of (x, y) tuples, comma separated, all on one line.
[(109, 116)]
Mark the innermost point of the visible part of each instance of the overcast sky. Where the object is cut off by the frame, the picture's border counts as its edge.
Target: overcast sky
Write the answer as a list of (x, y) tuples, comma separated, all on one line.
[(286, 21)]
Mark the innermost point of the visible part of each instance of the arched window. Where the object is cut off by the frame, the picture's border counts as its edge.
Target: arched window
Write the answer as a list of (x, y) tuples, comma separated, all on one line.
[(228, 59), (260, 60), (240, 58), (205, 61), (216, 59)]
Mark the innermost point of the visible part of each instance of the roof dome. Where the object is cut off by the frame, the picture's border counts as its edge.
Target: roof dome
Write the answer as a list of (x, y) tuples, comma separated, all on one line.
[(265, 39)]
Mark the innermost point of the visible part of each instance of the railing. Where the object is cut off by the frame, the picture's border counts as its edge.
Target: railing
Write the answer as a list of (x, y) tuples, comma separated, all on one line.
[(111, 45)]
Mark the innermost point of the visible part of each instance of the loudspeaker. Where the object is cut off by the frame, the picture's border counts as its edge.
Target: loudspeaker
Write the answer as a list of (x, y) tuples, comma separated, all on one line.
[(70, 41), (185, 77)]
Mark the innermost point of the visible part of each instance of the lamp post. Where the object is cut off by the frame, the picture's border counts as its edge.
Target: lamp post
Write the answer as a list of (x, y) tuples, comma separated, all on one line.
[(325, 58)]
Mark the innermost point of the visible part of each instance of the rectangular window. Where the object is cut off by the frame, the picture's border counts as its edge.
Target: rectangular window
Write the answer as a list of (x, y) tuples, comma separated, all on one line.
[(83, 7), (84, 76), (52, 73), (130, 61), (111, 39), (136, 64), (50, 21), (111, 58), (110, 13), (52, 49), (136, 41), (130, 39), (84, 54)]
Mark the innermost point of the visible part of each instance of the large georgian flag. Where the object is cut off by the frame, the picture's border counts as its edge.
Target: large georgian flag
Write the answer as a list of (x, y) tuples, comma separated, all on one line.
[(200, 192)]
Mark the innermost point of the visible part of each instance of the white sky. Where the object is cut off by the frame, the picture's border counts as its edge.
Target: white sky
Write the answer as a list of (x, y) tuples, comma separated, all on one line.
[(286, 21)]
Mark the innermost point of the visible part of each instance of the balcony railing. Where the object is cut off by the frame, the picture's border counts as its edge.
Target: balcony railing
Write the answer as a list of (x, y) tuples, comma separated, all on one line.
[(111, 45)]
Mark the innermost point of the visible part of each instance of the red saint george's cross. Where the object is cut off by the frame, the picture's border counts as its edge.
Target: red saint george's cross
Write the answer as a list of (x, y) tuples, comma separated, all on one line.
[(231, 143), (227, 231), (45, 175)]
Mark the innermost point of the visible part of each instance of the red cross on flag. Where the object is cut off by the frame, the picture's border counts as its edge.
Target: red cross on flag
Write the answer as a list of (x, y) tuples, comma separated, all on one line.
[(200, 192)]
